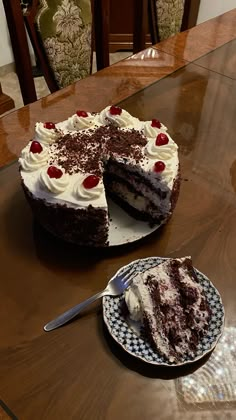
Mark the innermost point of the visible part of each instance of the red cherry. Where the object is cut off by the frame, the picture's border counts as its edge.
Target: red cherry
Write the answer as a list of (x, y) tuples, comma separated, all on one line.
[(159, 166), (54, 172), (49, 125), (91, 181), (82, 114), (115, 110), (156, 123), (162, 139), (35, 147)]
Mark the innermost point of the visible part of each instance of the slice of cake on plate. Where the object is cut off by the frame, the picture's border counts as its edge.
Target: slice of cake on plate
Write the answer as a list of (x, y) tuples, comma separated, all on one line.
[(172, 307)]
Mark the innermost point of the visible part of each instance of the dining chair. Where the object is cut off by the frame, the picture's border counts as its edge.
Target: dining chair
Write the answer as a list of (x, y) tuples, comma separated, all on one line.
[(62, 33), (165, 18)]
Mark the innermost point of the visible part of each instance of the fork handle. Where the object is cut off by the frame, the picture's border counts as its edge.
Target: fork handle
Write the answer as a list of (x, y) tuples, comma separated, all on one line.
[(71, 313)]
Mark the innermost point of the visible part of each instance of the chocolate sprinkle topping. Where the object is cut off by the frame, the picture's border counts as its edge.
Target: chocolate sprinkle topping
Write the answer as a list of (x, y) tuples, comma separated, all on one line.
[(87, 151)]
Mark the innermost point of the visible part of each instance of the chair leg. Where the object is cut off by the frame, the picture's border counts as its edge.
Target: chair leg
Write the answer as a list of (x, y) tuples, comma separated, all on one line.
[(40, 54), (191, 9), (140, 30), (152, 20), (101, 16), (20, 49)]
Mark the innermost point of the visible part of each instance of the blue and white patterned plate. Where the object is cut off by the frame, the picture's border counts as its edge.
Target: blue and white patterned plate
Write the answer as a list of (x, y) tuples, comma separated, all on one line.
[(125, 336)]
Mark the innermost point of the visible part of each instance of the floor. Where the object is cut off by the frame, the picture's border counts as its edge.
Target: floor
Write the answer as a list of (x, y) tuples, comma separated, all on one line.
[(11, 87)]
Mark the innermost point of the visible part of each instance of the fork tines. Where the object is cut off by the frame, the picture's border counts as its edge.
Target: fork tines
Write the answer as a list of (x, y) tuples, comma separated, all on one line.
[(126, 279)]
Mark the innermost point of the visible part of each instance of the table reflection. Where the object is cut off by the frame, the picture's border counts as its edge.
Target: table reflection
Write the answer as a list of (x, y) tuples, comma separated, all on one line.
[(214, 382)]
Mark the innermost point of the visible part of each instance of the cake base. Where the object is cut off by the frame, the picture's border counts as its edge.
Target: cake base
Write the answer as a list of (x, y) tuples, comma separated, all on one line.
[(80, 226)]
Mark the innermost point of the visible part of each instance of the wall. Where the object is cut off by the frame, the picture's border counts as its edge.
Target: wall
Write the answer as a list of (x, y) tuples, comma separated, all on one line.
[(6, 55), (212, 8)]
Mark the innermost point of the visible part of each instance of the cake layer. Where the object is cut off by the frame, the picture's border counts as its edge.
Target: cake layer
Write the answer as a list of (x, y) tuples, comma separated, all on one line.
[(132, 201), (138, 196), (138, 214), (172, 306)]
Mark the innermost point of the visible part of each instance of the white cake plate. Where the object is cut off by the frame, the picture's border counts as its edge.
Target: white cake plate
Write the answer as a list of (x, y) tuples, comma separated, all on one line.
[(125, 229)]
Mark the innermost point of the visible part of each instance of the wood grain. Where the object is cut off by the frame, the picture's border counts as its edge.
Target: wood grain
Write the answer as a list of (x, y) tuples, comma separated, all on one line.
[(6, 103), (108, 86), (222, 60), (203, 38)]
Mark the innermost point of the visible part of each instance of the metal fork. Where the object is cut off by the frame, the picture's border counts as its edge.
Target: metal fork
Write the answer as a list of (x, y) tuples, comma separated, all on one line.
[(116, 286)]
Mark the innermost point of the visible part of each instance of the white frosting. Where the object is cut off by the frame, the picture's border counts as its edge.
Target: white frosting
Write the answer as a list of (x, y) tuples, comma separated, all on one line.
[(164, 152), (150, 131), (67, 189), (45, 135), (133, 304), (81, 123), (67, 197), (30, 161), (122, 120), (169, 174), (54, 185), (87, 193)]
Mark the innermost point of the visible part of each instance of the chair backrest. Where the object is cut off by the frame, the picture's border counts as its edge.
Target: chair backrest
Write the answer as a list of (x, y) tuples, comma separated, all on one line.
[(171, 17), (63, 55), (65, 30)]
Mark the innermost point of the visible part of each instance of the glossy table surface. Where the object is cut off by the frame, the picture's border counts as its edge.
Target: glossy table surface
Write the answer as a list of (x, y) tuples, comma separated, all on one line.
[(77, 372)]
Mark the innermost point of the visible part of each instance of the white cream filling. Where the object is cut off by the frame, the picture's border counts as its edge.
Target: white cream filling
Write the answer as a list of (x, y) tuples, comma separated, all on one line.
[(141, 203)]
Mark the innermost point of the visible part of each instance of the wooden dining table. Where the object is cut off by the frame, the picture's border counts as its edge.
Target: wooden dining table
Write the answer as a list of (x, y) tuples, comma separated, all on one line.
[(78, 372)]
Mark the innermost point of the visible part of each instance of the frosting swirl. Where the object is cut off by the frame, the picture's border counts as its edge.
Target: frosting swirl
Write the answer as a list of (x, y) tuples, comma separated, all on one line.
[(87, 193), (30, 161), (167, 174), (133, 304), (54, 185), (164, 152), (122, 120), (45, 135), (150, 131), (80, 123)]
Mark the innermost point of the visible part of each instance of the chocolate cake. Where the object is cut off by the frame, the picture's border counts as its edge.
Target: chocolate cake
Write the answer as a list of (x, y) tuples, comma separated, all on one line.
[(69, 168), (171, 304)]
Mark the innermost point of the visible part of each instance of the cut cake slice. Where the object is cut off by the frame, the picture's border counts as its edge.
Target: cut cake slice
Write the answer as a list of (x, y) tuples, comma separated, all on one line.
[(174, 309)]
